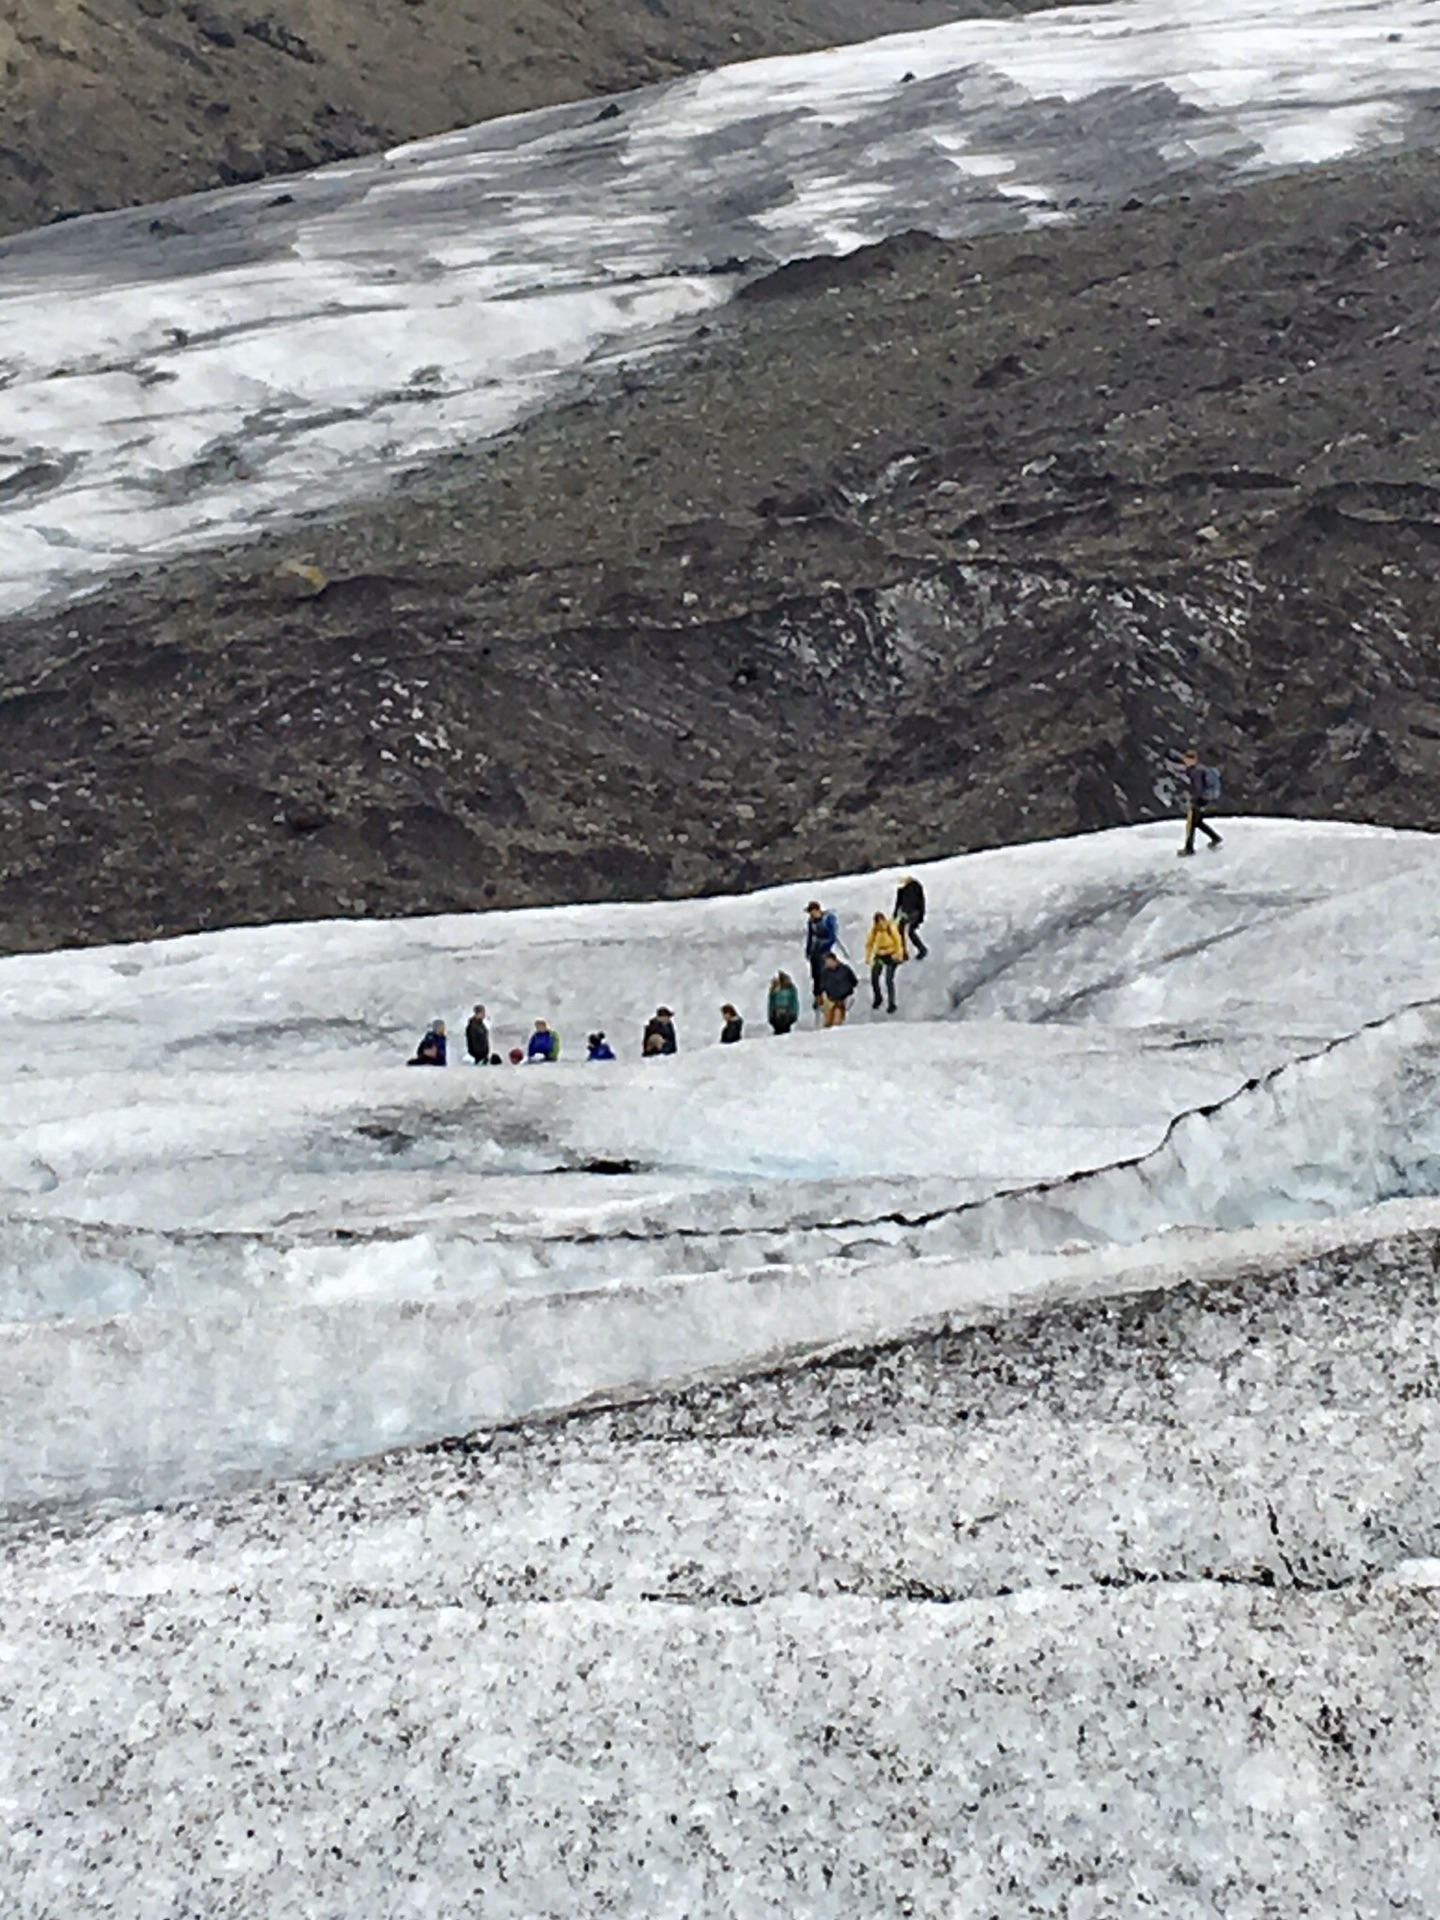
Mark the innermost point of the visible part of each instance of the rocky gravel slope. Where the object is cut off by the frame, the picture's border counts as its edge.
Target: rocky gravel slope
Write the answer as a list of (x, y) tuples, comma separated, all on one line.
[(110, 103)]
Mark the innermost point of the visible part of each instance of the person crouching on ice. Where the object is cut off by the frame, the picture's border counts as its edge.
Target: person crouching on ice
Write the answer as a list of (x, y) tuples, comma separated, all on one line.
[(659, 1035), (837, 983), (597, 1047), (734, 1027), (1202, 787), (431, 1051), (884, 950), (544, 1045)]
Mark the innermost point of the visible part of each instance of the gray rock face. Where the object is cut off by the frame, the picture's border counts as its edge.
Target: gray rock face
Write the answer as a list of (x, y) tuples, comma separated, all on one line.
[(1124, 1604)]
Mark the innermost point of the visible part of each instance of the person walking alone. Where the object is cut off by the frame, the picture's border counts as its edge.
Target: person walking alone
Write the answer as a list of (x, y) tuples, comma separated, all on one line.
[(837, 984), (1202, 787), (782, 1005), (909, 912), (884, 951), (822, 936)]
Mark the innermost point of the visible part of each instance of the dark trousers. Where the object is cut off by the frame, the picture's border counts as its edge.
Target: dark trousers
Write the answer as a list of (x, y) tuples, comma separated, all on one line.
[(1194, 818), (817, 976), (911, 931), (887, 968)]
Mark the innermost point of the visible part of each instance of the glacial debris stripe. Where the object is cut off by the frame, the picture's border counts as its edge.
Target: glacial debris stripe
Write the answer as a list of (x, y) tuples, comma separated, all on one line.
[(227, 1201), (192, 373)]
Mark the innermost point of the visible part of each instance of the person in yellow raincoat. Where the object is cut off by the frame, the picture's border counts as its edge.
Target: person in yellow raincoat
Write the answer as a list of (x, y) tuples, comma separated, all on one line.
[(884, 951)]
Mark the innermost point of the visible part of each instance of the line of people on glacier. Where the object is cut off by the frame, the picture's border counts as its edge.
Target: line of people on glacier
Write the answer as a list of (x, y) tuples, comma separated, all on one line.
[(889, 942)]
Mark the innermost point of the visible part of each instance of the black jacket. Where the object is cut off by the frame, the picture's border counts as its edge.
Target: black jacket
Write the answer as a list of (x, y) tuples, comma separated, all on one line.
[(477, 1041), (731, 1031), (837, 982), (910, 901), (666, 1031)]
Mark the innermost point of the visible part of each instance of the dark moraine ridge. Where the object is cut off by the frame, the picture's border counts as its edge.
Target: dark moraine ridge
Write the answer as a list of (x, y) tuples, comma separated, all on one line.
[(940, 546)]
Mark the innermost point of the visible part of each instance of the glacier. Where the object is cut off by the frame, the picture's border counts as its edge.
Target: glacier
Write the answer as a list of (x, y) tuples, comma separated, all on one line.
[(204, 370), (227, 1201), (977, 1461)]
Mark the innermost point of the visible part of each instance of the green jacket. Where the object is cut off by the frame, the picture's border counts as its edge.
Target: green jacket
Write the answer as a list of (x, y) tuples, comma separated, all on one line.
[(784, 1003)]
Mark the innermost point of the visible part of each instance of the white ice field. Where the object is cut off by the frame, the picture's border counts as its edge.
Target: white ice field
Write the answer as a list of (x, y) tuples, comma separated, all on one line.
[(241, 1236), (198, 371), (1100, 1579)]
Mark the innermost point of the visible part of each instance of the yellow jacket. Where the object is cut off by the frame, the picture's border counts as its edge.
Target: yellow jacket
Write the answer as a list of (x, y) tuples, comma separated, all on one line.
[(885, 941)]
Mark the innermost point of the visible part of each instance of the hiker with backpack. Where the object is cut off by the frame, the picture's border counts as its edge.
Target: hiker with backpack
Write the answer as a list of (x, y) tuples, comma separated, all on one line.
[(884, 951), (1202, 787), (822, 936), (909, 912)]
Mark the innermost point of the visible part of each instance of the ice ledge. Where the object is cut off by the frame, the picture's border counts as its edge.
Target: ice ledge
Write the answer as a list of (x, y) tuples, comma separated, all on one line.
[(341, 1384)]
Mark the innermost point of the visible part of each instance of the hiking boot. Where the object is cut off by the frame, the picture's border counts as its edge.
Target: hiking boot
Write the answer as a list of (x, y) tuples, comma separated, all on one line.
[(1184, 853)]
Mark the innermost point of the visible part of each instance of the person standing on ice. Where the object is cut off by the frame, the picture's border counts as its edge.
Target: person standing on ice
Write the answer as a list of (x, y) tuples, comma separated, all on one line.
[(659, 1035), (782, 1007), (837, 983), (884, 951), (822, 936), (734, 1027), (909, 912), (1202, 787), (432, 1050), (544, 1045), (477, 1038)]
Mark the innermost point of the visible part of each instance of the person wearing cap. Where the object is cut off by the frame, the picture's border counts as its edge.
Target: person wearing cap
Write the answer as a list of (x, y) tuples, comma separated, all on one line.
[(822, 936), (660, 1033)]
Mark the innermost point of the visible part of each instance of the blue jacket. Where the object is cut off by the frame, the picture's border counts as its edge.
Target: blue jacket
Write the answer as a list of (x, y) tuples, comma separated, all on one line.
[(544, 1046), (431, 1051), (603, 1052), (821, 936)]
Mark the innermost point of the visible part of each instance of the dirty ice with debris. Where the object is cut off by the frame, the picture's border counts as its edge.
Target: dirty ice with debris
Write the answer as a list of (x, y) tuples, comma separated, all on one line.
[(1123, 1221)]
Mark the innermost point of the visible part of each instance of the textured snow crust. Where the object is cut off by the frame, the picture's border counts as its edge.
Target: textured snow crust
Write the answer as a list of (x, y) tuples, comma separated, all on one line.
[(192, 372), (1124, 1607), (236, 1238)]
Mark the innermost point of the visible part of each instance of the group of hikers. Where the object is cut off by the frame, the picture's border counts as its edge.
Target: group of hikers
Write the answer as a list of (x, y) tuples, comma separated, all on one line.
[(891, 940)]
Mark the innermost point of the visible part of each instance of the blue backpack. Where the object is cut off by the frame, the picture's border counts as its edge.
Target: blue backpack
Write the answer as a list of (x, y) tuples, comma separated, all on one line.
[(1210, 785)]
